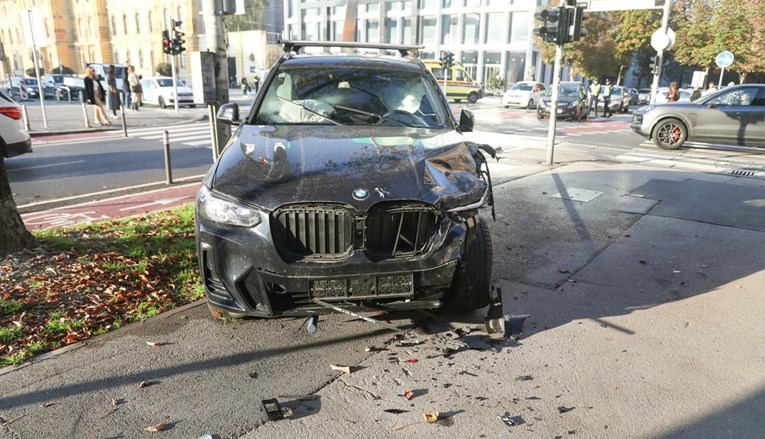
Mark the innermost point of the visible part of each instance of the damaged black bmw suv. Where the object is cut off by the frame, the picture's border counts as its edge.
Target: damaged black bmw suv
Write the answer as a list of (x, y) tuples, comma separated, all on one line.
[(349, 184)]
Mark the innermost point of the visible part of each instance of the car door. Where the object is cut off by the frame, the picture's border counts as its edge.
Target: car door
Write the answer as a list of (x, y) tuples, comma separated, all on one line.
[(148, 91), (724, 119), (755, 126)]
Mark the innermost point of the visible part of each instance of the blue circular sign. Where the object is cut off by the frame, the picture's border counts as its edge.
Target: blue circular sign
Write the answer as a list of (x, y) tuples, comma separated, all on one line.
[(724, 59)]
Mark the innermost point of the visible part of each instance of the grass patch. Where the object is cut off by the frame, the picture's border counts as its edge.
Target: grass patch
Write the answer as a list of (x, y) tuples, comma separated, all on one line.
[(9, 333), (10, 307)]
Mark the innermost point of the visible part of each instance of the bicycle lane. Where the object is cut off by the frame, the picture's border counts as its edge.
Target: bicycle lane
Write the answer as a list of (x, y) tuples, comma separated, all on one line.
[(111, 208)]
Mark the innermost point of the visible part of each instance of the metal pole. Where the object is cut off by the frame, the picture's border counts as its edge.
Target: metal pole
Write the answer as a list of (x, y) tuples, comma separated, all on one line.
[(660, 53), (24, 115), (719, 84), (175, 81), (216, 44), (554, 104), (124, 123), (85, 114), (168, 167), (213, 137), (40, 91)]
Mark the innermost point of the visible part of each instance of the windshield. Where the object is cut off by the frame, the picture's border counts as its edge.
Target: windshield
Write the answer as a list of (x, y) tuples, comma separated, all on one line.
[(350, 96), (28, 81), (523, 87), (168, 82)]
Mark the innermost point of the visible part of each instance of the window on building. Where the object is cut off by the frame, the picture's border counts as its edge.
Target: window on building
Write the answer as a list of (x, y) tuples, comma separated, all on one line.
[(392, 6), (406, 28), (515, 66), (427, 33), (91, 29), (446, 3), (114, 26), (519, 27), (137, 23), (47, 28), (428, 4), (449, 29), (472, 3), (391, 31), (469, 57), (495, 28), (337, 30), (373, 31), (373, 7), (124, 24), (471, 28), (151, 22), (140, 58)]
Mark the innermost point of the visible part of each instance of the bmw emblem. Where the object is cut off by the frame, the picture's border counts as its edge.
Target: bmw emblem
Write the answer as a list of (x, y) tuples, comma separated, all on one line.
[(360, 194)]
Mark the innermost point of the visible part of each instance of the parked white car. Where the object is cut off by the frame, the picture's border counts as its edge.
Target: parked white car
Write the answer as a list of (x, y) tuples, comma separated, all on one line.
[(159, 91), (14, 140), (524, 94)]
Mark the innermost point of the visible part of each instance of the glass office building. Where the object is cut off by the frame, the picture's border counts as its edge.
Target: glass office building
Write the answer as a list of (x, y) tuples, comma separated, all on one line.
[(489, 37)]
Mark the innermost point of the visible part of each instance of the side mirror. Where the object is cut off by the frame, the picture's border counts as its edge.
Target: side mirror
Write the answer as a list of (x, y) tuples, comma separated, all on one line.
[(714, 103), (229, 113), (467, 121)]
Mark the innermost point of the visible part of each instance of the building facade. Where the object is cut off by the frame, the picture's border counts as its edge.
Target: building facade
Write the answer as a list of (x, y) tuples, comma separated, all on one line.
[(489, 37)]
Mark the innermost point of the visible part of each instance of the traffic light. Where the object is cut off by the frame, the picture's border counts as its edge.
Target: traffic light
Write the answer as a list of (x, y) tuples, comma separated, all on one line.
[(167, 45), (654, 65), (574, 21), (442, 60), (449, 60), (178, 40), (555, 25)]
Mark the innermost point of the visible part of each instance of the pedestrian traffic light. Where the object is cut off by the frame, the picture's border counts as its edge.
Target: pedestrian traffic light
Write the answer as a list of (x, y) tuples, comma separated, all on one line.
[(554, 28), (654, 65), (575, 17), (178, 40), (167, 45)]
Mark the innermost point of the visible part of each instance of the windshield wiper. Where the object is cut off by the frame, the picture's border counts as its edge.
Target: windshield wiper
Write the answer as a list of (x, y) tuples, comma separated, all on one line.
[(375, 115), (310, 111)]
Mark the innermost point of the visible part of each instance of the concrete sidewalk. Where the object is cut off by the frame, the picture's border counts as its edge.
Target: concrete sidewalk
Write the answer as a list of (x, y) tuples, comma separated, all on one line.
[(644, 286)]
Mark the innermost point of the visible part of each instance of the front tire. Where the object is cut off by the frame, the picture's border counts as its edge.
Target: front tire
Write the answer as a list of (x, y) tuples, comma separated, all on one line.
[(471, 285), (473, 97), (670, 134), (161, 102), (530, 105)]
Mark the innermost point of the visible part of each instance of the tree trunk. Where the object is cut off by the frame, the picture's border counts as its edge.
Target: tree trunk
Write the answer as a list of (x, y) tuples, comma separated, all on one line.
[(14, 236)]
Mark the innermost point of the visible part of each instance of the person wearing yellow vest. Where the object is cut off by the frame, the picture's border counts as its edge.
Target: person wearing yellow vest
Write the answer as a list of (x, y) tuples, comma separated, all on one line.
[(607, 90), (594, 92)]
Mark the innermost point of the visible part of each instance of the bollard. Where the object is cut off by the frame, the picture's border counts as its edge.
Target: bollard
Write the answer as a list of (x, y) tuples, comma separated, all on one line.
[(168, 168), (213, 131), (24, 115), (85, 114), (124, 124)]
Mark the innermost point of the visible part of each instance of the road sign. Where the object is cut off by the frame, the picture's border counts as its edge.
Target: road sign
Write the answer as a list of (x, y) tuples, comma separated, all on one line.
[(660, 41), (618, 5), (724, 59)]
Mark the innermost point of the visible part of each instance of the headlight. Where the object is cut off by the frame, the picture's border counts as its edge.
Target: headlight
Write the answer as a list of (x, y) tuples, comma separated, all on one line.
[(226, 212)]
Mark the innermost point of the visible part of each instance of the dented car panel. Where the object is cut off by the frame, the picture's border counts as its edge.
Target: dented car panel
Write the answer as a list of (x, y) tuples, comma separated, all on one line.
[(332, 201)]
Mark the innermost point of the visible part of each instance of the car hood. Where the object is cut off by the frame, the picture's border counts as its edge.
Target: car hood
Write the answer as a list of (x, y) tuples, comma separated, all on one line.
[(269, 166), (561, 99)]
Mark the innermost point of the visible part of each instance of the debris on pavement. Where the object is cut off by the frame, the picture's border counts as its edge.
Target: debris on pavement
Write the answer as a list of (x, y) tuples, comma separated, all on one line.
[(155, 344), (411, 360), (253, 375), (524, 378), (301, 397), (409, 394), (564, 409), (512, 421), (430, 417), (147, 383), (47, 404), (494, 322), (273, 409), (514, 325), (156, 428), (396, 411), (341, 368)]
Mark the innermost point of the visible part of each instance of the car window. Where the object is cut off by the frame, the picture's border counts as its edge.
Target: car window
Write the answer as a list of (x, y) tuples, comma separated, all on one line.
[(740, 96), (567, 90), (522, 87), (165, 82), (350, 96)]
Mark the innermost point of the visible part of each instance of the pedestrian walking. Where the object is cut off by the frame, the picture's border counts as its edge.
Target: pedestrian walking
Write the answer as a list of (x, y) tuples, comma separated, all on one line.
[(126, 92), (95, 95), (113, 94), (245, 88), (136, 89), (595, 89), (256, 82), (607, 90), (696, 93), (710, 88)]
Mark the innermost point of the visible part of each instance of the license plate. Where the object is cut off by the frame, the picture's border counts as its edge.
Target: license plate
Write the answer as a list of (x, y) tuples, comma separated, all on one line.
[(361, 287), (560, 111)]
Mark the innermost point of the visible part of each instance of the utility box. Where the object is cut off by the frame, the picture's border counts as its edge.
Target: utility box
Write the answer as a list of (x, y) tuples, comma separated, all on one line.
[(203, 77)]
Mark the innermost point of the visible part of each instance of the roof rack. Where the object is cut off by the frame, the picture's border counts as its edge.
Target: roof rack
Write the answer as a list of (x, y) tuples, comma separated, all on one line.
[(297, 45)]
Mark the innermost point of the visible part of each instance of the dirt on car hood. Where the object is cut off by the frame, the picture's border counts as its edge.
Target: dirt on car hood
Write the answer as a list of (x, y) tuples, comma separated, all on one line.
[(270, 166)]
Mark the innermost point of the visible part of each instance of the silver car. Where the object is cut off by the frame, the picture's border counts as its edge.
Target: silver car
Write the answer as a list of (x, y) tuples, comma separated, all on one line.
[(732, 116)]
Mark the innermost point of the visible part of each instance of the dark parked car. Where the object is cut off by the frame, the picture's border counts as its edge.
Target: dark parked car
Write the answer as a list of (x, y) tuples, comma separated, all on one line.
[(732, 116), (349, 183), (572, 102)]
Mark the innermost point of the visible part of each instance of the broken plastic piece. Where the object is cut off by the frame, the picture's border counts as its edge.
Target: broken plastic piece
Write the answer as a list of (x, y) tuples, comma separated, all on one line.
[(357, 315), (430, 417), (312, 323), (409, 394), (272, 409), (512, 421), (564, 409), (514, 325), (494, 321), (340, 367)]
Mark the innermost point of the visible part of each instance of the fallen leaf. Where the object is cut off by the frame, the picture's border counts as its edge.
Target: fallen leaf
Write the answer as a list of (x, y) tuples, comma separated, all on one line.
[(155, 344), (411, 360), (409, 394), (341, 368), (564, 409), (146, 384), (46, 404), (155, 428), (430, 417)]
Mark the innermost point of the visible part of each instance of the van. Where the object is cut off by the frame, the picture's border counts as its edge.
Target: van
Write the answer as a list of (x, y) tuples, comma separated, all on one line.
[(459, 84)]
